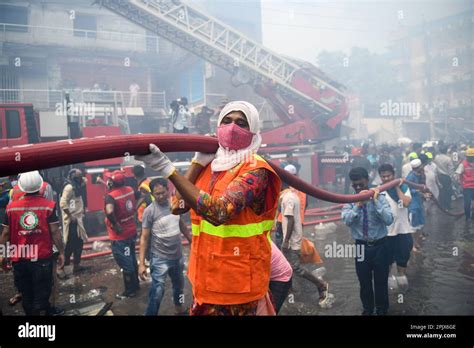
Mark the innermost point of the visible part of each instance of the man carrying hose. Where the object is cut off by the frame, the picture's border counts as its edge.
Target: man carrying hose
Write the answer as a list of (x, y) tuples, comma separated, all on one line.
[(368, 222), (233, 196)]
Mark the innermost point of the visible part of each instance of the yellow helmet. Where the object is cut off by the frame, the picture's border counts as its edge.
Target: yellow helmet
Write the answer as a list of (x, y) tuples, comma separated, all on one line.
[(429, 155), (412, 155), (470, 152)]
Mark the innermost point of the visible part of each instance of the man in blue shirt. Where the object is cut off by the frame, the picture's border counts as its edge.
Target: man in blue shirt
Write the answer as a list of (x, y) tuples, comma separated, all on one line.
[(368, 222), (416, 212)]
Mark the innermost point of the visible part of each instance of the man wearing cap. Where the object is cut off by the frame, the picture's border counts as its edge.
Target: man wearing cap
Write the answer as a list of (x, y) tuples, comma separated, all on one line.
[(406, 169), (465, 173), (292, 229), (31, 226), (122, 230), (278, 237)]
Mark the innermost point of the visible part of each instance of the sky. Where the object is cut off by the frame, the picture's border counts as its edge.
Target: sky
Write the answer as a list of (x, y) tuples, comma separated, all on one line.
[(303, 28)]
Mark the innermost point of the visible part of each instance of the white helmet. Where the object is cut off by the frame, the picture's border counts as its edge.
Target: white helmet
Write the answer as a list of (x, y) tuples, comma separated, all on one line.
[(290, 169), (30, 182)]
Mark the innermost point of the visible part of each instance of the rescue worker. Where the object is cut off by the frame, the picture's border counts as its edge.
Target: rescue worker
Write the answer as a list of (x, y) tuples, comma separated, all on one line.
[(292, 228), (465, 172), (278, 237), (31, 226), (45, 191), (122, 230), (234, 202)]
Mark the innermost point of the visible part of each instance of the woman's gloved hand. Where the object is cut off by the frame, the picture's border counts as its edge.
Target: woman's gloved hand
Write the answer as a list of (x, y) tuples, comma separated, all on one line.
[(158, 161), (203, 159)]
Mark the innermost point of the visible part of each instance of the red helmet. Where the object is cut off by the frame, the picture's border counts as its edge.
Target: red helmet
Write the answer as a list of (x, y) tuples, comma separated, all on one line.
[(118, 177)]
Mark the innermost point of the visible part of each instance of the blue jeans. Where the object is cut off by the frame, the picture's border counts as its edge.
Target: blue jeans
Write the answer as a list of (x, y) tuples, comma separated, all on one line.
[(124, 254), (159, 268)]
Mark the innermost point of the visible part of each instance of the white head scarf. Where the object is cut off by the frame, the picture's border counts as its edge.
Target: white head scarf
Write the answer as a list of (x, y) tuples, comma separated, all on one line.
[(415, 163), (226, 159)]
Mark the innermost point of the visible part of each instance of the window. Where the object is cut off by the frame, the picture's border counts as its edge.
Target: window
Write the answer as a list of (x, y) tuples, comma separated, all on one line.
[(85, 22), (15, 15), (12, 118)]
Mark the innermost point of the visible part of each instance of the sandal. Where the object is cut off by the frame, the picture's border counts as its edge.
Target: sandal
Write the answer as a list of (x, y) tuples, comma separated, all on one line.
[(15, 299), (323, 295)]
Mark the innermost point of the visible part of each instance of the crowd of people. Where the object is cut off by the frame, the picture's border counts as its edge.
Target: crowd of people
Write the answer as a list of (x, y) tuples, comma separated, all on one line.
[(390, 226), (246, 235)]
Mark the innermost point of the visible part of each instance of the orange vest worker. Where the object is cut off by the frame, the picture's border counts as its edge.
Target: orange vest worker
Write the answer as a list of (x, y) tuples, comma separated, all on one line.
[(230, 263)]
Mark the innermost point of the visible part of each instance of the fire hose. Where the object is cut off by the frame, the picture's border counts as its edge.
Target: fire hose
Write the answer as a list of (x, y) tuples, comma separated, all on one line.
[(23, 158)]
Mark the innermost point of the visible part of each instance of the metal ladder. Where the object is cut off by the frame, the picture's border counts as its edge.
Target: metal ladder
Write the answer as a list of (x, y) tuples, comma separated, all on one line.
[(220, 44)]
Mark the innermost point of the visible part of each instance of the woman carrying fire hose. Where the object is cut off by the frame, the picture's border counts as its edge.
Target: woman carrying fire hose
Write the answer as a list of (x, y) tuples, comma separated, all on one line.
[(233, 197)]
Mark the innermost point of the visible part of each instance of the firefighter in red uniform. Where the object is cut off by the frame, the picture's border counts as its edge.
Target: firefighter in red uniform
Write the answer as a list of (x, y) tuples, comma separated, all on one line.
[(122, 229), (45, 191), (465, 171), (31, 226)]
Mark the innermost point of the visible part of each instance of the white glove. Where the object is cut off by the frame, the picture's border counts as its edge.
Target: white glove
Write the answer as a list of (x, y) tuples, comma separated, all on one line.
[(203, 159), (158, 161)]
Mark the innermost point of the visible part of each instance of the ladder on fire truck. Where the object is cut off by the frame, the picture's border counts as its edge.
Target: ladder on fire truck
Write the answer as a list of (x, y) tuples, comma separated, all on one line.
[(220, 44)]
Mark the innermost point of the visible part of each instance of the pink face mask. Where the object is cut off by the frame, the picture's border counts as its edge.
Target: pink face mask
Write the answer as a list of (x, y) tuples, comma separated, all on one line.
[(233, 137)]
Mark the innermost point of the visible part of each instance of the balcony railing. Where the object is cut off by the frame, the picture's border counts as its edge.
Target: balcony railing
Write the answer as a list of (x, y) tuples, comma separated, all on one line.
[(48, 99), (57, 36)]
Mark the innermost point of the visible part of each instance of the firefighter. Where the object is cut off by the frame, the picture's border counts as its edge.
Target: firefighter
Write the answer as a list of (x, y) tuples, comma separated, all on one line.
[(122, 230), (31, 226), (45, 191)]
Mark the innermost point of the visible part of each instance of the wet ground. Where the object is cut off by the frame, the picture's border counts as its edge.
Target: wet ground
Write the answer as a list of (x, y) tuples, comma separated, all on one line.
[(441, 279)]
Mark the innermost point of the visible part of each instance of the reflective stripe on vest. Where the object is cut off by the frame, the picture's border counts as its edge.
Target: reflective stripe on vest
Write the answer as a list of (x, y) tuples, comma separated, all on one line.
[(241, 231)]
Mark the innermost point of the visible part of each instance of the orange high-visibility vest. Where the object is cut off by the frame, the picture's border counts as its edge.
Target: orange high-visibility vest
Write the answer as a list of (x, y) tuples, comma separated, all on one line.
[(230, 263)]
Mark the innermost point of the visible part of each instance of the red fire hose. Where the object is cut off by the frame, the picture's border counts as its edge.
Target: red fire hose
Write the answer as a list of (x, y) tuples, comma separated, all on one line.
[(323, 209), (423, 188), (322, 213), (23, 158), (315, 222)]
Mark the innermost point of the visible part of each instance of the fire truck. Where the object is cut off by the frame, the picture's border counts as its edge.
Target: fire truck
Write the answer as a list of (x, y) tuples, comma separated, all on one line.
[(310, 105), (21, 124)]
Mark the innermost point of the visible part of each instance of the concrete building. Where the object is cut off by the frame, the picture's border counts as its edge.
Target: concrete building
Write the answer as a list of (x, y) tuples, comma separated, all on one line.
[(435, 67), (50, 48)]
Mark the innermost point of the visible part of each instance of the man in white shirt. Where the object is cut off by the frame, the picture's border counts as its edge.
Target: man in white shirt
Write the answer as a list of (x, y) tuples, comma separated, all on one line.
[(400, 240), (293, 236)]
